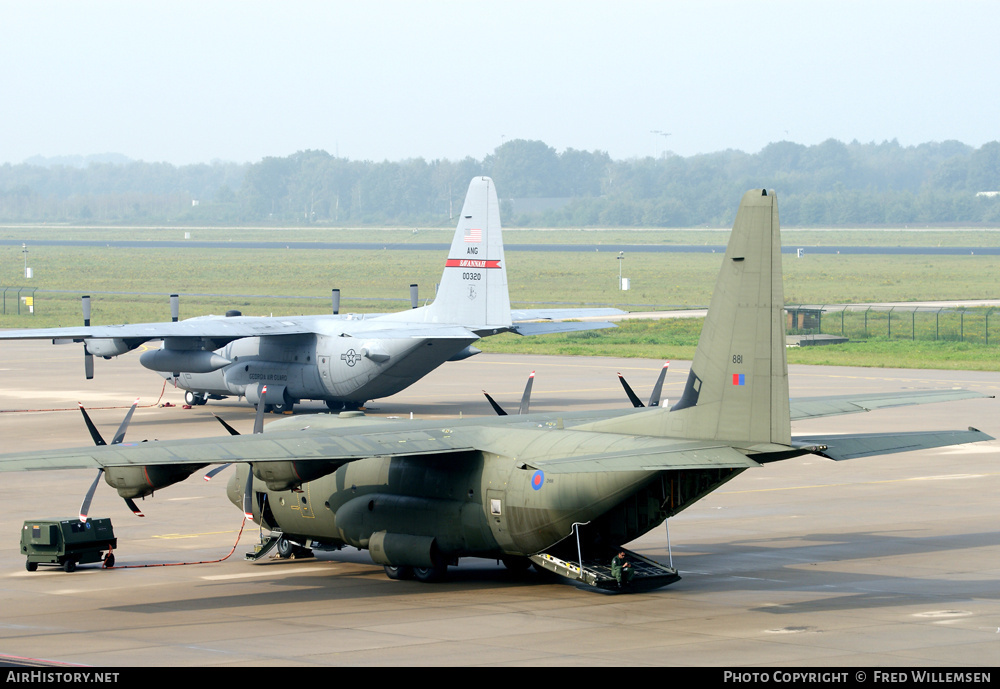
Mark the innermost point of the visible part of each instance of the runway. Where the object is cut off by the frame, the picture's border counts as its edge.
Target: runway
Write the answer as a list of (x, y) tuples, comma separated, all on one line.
[(888, 561)]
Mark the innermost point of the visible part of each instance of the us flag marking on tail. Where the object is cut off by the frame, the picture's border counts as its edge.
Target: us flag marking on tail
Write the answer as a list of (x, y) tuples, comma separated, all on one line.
[(473, 236)]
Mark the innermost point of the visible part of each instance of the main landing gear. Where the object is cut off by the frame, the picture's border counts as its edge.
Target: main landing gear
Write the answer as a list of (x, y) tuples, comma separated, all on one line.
[(195, 399), (425, 574)]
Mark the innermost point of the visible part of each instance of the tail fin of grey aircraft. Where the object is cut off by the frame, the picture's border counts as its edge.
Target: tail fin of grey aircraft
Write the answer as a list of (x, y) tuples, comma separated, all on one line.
[(737, 388), (473, 291)]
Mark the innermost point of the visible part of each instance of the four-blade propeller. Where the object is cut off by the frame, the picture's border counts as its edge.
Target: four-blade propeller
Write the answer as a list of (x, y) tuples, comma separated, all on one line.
[(99, 440)]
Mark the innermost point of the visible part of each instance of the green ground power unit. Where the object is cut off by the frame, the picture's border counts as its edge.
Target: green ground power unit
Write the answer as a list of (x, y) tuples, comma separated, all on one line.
[(67, 543)]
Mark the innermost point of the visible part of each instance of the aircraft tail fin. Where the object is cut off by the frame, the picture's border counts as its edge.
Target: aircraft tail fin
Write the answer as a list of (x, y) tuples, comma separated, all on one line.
[(473, 291), (737, 388)]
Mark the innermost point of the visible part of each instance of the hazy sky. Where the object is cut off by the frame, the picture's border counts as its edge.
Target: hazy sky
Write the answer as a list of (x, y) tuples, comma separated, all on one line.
[(187, 82)]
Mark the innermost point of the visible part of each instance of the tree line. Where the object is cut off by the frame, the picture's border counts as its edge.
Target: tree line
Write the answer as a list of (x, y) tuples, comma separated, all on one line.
[(831, 184)]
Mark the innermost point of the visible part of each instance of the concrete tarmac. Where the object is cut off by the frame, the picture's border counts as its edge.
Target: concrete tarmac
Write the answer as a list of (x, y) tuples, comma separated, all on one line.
[(887, 561)]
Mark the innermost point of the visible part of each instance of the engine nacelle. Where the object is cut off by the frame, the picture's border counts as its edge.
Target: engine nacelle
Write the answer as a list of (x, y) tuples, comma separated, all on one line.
[(140, 481), (358, 521), (107, 346), (288, 475), (187, 360)]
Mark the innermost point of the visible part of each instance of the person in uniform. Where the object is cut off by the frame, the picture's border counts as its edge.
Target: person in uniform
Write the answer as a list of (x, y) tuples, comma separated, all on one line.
[(622, 569)]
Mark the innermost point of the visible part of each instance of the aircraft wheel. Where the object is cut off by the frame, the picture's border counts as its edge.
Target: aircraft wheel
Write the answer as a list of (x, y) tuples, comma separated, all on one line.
[(30, 566), (285, 405), (285, 548), (69, 566), (109, 561), (430, 574), (516, 564), (401, 572), (190, 398)]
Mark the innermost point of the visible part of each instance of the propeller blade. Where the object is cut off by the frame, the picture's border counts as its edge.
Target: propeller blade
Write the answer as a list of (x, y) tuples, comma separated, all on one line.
[(232, 431), (85, 506), (120, 435), (94, 433), (248, 495), (633, 398), (98, 440), (135, 508), (88, 358), (654, 399), (175, 307), (258, 427), (221, 467), (210, 475), (526, 397), (414, 299), (258, 422), (496, 407)]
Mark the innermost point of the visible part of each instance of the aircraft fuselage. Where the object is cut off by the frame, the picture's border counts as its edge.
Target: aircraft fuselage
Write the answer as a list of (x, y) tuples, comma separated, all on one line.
[(480, 505), (348, 370)]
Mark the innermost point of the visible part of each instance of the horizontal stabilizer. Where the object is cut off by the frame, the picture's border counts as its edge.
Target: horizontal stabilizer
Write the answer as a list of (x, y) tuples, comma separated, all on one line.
[(549, 327), (815, 407), (839, 447), (652, 459), (563, 314)]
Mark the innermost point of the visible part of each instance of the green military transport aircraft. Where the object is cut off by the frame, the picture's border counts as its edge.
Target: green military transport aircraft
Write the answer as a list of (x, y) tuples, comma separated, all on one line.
[(562, 491)]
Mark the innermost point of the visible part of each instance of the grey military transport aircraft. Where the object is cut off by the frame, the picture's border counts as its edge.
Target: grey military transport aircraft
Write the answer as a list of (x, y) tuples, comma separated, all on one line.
[(562, 490), (342, 359)]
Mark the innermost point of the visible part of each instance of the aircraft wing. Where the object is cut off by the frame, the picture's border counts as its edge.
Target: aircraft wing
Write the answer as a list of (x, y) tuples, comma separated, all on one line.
[(218, 328), (816, 407), (345, 446), (840, 447), (221, 330), (562, 451)]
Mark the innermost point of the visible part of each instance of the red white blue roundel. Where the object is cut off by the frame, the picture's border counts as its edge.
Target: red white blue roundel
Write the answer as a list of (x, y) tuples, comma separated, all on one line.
[(537, 479)]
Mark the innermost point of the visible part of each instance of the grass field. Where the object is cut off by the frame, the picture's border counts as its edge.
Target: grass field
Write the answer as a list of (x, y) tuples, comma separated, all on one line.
[(291, 282), (668, 339)]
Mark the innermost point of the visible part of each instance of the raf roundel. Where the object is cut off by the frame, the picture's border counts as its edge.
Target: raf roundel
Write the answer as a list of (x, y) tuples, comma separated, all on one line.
[(537, 479)]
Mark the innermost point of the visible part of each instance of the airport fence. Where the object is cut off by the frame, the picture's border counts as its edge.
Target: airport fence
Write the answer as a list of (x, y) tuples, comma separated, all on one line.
[(864, 322), (13, 299)]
